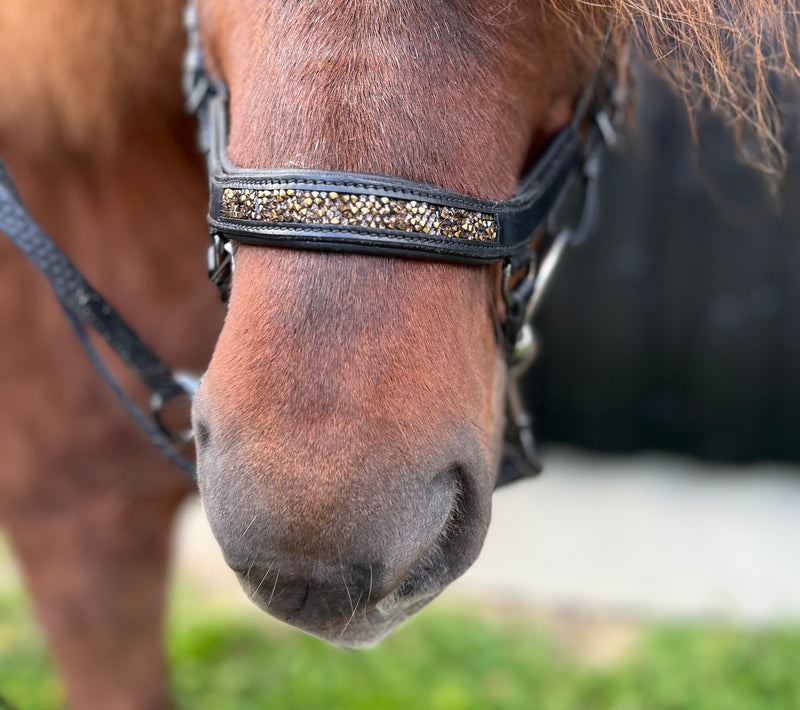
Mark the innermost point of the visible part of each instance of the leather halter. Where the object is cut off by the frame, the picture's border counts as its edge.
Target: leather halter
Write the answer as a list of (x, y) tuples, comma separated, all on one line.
[(389, 216)]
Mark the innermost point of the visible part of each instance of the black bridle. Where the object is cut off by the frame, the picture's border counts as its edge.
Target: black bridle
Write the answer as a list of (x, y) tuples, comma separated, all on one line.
[(554, 206)]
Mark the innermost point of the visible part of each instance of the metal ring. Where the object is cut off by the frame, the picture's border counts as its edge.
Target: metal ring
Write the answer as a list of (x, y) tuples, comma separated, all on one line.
[(189, 384)]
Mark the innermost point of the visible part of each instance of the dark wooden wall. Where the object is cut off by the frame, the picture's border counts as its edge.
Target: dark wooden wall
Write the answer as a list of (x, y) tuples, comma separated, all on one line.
[(677, 326)]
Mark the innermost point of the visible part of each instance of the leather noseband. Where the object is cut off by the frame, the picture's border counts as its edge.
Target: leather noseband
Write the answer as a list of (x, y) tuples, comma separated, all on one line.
[(370, 214)]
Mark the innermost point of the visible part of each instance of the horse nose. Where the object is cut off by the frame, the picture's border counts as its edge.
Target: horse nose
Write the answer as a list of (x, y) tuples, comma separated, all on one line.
[(392, 557), (319, 596), (344, 546), (324, 560)]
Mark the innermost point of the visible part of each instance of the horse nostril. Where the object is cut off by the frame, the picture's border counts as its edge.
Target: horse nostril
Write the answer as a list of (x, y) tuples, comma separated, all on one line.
[(202, 434), (450, 486), (312, 593), (458, 542)]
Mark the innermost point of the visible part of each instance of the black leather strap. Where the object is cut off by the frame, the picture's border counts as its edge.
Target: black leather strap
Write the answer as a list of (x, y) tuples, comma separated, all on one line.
[(84, 306), (517, 219)]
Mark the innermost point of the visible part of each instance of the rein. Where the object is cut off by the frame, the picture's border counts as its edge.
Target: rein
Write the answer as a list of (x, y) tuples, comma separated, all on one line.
[(555, 206), (85, 307)]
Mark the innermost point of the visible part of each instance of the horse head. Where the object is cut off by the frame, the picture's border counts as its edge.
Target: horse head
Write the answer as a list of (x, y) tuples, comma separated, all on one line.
[(349, 426)]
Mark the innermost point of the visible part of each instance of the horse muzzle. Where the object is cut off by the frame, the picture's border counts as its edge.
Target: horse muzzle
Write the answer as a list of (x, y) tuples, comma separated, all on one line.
[(347, 554)]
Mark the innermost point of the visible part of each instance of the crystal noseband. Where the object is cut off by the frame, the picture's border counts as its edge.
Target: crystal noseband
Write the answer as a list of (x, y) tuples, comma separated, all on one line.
[(352, 212)]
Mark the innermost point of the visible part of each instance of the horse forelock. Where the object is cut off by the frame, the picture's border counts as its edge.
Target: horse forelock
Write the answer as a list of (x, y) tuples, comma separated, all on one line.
[(721, 54), (725, 55)]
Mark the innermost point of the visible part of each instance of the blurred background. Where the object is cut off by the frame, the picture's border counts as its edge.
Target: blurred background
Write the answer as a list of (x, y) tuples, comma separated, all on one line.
[(656, 562)]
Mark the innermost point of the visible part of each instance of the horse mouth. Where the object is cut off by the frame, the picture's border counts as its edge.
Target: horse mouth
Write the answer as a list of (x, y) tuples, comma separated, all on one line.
[(359, 619), (364, 625)]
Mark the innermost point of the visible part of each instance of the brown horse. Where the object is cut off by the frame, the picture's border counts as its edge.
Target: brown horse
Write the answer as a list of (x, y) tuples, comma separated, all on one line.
[(349, 422)]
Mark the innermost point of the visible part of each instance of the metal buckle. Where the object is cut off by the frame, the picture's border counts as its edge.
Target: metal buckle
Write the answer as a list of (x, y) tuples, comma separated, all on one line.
[(220, 264), (523, 298), (586, 185), (520, 456), (519, 347), (581, 197)]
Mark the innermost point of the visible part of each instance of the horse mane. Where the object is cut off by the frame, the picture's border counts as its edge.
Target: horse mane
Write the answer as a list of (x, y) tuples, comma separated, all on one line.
[(735, 57)]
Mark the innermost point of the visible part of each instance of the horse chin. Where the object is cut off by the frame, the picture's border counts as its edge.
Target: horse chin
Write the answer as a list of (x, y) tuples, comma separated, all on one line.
[(362, 628), (358, 619), (374, 626)]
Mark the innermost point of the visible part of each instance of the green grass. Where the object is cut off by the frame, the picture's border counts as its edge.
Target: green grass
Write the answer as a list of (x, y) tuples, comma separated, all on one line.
[(445, 659)]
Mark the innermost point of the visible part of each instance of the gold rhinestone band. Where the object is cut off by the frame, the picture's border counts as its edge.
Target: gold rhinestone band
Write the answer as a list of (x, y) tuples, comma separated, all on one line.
[(352, 210)]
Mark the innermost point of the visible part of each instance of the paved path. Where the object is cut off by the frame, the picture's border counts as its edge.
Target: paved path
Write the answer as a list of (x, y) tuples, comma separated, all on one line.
[(654, 535)]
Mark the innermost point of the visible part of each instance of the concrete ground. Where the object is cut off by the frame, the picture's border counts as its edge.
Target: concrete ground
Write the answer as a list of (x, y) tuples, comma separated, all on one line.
[(645, 536), (659, 536)]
